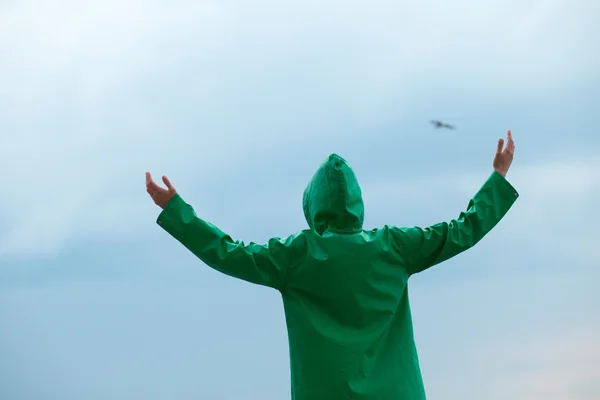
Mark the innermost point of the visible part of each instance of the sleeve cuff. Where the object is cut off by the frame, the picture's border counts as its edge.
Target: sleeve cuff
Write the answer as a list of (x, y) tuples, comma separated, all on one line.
[(506, 186), (168, 214)]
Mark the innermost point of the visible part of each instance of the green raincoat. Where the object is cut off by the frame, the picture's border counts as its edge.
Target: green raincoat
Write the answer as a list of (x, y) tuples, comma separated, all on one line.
[(344, 289)]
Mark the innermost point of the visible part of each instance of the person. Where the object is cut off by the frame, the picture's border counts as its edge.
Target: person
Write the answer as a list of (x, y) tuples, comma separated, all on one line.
[(344, 288)]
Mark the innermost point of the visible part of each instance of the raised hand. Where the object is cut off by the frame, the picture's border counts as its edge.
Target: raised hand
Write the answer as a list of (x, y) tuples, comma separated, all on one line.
[(504, 155), (160, 196)]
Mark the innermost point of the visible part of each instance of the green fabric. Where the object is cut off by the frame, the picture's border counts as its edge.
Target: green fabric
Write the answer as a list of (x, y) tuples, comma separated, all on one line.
[(344, 289)]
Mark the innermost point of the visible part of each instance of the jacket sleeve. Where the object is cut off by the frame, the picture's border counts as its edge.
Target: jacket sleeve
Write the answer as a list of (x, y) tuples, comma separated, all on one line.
[(423, 248), (264, 265)]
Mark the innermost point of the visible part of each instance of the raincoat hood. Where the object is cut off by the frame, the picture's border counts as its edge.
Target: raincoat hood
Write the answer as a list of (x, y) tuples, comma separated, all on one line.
[(333, 199)]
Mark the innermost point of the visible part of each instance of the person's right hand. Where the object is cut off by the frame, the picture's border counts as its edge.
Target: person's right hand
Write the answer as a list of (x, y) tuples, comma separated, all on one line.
[(504, 157), (160, 196)]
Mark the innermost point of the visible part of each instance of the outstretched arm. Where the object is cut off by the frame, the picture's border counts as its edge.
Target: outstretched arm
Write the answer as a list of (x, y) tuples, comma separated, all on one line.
[(260, 264), (424, 248)]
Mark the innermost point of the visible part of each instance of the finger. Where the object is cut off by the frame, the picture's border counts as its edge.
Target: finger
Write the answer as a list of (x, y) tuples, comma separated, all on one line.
[(511, 143), (500, 145), (153, 187), (168, 183), (150, 184)]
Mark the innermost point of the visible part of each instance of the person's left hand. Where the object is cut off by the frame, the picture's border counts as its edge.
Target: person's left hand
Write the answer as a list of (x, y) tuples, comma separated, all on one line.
[(504, 154), (160, 196)]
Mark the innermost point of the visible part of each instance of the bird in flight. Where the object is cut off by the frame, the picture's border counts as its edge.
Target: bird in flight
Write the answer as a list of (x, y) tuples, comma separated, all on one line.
[(440, 124)]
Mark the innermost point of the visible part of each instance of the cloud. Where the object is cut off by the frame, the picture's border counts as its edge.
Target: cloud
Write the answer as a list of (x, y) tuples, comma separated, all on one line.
[(565, 367), (557, 208), (82, 52), (93, 94), (517, 333)]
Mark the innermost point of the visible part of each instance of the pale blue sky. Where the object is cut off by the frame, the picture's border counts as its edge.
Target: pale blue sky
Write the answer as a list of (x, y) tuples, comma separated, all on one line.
[(238, 102)]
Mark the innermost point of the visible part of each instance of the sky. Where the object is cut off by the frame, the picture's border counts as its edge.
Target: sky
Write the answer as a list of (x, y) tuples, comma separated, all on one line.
[(238, 103)]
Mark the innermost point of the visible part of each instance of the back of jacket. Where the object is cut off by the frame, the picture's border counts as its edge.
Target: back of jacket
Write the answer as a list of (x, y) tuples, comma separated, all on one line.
[(345, 288), (349, 322)]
